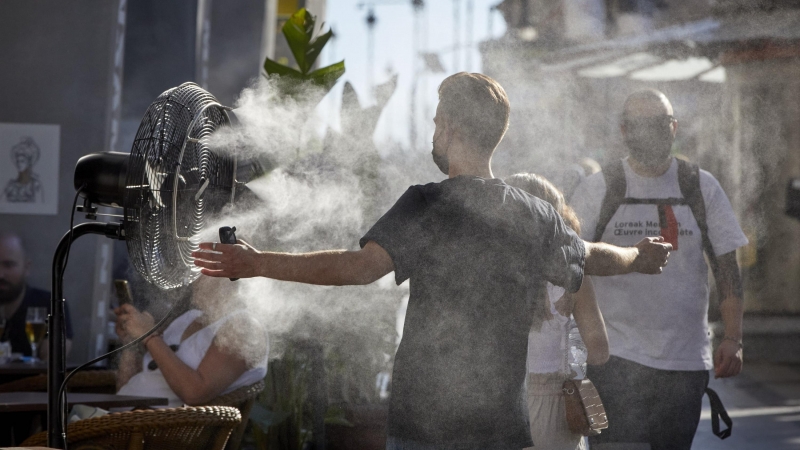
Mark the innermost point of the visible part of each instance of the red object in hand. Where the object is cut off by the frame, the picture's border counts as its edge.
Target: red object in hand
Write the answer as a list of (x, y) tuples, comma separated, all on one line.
[(669, 225)]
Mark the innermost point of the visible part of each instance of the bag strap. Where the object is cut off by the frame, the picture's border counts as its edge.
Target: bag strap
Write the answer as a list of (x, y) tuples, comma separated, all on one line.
[(689, 182), (717, 411), (614, 175)]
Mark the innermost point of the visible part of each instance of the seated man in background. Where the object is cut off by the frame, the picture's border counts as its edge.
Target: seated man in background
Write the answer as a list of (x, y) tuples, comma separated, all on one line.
[(16, 296), (202, 354)]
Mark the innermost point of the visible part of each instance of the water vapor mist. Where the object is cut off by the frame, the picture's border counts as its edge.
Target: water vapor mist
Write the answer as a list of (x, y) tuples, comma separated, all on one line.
[(316, 195)]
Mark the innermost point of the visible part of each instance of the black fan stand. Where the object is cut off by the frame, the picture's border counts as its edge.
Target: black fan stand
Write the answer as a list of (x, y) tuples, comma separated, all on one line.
[(55, 326)]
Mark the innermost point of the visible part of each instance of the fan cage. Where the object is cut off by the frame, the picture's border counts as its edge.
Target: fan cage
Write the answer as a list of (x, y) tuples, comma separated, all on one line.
[(175, 181)]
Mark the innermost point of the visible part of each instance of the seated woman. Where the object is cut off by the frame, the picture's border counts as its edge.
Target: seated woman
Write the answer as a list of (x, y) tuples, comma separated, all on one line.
[(202, 354)]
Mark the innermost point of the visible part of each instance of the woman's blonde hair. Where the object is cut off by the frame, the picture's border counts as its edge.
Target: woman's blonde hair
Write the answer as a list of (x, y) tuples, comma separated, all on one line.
[(539, 186)]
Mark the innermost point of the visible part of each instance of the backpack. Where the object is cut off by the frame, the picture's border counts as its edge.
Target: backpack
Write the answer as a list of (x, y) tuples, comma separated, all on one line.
[(689, 183)]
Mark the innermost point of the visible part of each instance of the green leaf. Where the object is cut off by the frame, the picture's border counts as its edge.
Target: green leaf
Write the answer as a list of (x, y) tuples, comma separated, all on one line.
[(327, 76), (298, 31), (276, 68), (315, 47)]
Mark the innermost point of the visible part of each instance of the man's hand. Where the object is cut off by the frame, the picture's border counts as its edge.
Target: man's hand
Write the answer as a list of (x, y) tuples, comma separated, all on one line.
[(648, 256), (727, 359), (653, 255), (239, 260)]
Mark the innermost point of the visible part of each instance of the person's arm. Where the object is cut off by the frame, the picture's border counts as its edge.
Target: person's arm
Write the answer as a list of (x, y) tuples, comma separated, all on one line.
[(332, 268), (728, 357), (590, 323), (218, 369), (649, 256), (128, 365), (130, 360)]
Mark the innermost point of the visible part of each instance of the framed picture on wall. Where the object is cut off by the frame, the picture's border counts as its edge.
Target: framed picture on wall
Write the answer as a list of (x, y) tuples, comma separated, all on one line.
[(29, 168)]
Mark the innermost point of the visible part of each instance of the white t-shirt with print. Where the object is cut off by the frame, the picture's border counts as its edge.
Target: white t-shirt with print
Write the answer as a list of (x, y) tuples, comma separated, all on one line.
[(660, 321)]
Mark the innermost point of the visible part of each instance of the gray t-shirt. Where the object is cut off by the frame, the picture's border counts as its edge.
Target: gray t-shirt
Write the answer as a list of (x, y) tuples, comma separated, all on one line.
[(659, 321), (478, 254)]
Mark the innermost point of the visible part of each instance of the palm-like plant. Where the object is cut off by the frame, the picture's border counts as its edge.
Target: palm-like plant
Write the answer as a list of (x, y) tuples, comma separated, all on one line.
[(306, 48)]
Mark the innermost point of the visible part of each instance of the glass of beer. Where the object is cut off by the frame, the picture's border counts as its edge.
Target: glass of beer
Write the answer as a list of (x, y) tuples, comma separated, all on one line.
[(35, 328)]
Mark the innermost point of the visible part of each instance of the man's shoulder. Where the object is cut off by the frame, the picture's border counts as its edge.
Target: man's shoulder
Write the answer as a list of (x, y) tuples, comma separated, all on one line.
[(708, 181), (36, 297)]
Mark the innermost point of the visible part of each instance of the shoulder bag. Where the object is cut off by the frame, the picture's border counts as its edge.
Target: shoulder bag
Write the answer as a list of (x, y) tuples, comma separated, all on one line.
[(585, 412)]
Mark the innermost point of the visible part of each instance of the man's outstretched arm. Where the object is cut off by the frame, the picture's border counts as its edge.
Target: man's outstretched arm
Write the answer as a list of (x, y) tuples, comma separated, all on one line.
[(649, 256), (331, 268)]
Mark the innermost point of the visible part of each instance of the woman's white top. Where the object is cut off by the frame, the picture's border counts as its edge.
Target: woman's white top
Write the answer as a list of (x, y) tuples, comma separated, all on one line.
[(151, 383), (547, 346)]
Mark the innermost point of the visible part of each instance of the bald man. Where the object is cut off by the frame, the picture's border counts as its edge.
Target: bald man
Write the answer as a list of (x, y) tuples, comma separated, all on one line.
[(16, 296), (653, 384)]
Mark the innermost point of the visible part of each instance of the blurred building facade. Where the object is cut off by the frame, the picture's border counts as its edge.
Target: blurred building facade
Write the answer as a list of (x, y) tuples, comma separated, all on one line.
[(730, 68)]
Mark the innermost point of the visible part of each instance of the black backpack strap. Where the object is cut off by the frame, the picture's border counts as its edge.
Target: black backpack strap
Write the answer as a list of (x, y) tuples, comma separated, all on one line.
[(717, 411), (689, 182), (614, 175)]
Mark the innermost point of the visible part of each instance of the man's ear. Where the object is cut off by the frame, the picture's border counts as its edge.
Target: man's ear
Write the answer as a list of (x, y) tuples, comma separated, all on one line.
[(674, 126), (27, 270)]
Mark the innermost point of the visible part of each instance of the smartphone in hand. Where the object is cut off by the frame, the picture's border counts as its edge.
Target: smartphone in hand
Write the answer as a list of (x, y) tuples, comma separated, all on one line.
[(123, 292), (227, 235)]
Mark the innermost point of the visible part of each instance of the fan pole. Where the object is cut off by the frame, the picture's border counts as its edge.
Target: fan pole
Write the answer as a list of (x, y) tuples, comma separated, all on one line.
[(55, 326)]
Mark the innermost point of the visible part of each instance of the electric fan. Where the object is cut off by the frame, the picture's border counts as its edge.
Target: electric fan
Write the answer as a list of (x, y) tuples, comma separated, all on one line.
[(168, 186)]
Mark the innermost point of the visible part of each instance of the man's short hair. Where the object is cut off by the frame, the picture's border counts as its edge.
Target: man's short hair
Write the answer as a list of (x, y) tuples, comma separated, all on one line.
[(478, 106)]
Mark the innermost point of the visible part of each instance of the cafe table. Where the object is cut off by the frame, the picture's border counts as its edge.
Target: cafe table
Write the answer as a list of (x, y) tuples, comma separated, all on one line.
[(37, 401), (20, 369)]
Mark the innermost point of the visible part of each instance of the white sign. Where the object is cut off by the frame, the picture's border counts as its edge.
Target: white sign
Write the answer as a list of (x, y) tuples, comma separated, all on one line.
[(29, 168)]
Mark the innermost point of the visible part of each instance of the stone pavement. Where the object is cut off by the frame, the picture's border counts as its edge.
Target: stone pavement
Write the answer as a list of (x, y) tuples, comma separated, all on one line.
[(764, 403)]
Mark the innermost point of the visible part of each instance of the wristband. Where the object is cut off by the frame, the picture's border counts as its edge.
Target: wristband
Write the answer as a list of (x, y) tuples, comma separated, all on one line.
[(737, 341)]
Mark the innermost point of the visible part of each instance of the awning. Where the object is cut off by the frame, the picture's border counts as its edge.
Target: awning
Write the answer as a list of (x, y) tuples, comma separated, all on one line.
[(676, 53), (648, 67)]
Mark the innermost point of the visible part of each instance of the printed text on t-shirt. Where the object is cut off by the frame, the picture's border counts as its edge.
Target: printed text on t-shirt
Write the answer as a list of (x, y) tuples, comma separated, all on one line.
[(645, 228)]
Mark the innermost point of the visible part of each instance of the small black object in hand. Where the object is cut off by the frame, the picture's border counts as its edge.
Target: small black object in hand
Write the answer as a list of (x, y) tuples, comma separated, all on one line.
[(227, 235)]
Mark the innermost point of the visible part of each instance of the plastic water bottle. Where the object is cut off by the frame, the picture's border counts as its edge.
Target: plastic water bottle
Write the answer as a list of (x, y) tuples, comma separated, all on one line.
[(577, 350)]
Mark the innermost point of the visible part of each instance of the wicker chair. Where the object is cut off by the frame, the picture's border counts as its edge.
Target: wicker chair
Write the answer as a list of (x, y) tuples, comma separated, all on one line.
[(203, 427), (96, 381), (243, 399)]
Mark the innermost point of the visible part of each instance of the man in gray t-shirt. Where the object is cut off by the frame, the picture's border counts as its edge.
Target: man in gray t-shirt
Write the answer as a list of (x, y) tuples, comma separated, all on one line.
[(477, 253), (653, 384)]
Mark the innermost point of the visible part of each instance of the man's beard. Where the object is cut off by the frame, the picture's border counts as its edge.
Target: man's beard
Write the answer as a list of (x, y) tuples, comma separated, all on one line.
[(9, 291), (650, 148), (441, 161)]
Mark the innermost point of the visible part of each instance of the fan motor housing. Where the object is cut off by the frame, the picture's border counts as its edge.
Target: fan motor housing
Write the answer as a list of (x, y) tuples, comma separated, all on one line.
[(103, 176)]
